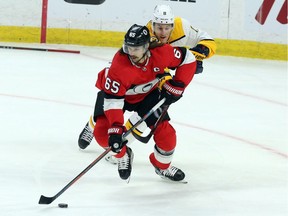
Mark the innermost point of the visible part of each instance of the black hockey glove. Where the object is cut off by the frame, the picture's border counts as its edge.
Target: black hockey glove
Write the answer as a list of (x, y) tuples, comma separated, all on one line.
[(115, 139), (172, 91), (200, 52), (199, 67)]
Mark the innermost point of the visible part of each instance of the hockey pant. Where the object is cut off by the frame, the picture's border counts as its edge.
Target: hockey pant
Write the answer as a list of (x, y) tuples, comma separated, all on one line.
[(164, 136)]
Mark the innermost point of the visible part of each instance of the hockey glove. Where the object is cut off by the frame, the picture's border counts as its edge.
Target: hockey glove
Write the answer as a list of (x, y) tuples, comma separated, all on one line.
[(115, 139), (200, 52), (163, 78), (172, 91), (199, 68)]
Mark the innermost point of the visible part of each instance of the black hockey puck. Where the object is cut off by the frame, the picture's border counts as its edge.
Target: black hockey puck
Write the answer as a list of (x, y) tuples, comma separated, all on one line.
[(63, 205)]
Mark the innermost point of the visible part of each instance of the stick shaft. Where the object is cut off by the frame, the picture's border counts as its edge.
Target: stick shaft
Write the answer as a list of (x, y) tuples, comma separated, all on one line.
[(48, 200), (40, 49)]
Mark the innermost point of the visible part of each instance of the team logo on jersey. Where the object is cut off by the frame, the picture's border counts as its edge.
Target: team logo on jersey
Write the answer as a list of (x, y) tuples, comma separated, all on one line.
[(156, 69), (143, 88)]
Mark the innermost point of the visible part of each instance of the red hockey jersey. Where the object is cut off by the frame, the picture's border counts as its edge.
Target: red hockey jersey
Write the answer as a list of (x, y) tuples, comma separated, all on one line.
[(127, 81)]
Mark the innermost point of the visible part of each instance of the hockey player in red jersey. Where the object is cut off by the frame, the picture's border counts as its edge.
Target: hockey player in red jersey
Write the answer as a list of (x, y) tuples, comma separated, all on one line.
[(176, 31), (131, 84)]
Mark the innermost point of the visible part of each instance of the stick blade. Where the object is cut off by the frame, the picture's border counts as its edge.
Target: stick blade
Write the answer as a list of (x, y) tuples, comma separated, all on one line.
[(141, 138), (46, 200)]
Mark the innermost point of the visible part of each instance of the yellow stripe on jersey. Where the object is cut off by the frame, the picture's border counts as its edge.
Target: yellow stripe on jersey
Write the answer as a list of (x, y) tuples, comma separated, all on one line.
[(177, 32), (211, 46), (149, 26)]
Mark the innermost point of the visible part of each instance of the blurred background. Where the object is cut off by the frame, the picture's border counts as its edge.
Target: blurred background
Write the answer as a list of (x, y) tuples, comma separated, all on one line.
[(245, 28), (231, 124)]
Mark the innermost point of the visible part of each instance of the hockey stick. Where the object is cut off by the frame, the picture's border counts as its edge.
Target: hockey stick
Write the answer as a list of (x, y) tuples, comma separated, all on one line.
[(40, 49), (48, 200), (148, 137)]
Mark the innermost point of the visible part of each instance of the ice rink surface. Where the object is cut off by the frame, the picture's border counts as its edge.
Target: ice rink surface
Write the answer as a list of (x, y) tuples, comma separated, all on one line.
[(232, 140)]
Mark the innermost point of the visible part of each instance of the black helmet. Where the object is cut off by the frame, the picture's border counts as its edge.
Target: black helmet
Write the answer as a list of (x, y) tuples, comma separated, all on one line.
[(137, 35)]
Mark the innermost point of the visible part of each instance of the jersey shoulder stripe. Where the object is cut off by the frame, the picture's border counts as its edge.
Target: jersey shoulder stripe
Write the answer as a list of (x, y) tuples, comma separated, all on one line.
[(178, 31)]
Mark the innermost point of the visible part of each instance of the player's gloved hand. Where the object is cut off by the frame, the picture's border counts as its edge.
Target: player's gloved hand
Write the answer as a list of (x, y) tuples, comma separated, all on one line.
[(200, 52), (163, 78), (172, 91), (199, 68), (115, 140)]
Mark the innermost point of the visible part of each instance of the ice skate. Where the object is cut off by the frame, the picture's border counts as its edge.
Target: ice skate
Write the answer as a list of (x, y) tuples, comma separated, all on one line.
[(85, 137), (172, 173), (125, 164)]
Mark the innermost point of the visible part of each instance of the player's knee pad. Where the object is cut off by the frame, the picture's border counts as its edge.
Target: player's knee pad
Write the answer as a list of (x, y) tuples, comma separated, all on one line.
[(100, 131)]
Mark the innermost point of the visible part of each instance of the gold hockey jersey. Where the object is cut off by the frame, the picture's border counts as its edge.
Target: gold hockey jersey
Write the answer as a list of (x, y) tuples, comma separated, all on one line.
[(183, 34)]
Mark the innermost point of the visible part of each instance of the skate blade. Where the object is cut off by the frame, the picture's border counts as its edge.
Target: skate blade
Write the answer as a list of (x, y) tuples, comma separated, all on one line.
[(179, 182)]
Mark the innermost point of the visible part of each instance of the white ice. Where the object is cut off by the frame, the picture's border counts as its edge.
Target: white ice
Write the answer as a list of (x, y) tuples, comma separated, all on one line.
[(232, 140)]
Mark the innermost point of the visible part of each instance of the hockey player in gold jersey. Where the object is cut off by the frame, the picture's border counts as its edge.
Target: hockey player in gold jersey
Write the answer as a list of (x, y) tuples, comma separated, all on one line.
[(177, 31)]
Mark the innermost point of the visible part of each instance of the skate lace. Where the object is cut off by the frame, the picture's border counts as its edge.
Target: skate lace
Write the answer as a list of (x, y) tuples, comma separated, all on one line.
[(170, 171), (87, 134), (123, 162)]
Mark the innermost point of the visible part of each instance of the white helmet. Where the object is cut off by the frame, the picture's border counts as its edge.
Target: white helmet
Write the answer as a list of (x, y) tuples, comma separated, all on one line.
[(163, 15)]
